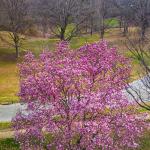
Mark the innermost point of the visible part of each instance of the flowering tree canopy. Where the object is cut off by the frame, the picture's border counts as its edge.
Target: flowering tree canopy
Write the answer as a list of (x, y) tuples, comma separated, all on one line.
[(74, 100)]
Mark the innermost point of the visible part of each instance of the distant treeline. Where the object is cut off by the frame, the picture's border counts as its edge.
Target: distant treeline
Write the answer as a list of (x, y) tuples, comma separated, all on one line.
[(67, 18)]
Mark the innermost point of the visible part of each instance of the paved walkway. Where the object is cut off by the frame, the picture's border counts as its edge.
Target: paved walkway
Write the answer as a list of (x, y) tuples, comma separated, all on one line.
[(139, 88), (7, 112)]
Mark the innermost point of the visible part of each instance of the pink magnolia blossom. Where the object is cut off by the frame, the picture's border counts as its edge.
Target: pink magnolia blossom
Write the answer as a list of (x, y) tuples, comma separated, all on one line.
[(75, 101)]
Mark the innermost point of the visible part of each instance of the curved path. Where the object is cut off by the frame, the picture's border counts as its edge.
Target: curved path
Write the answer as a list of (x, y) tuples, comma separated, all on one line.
[(139, 89), (7, 112)]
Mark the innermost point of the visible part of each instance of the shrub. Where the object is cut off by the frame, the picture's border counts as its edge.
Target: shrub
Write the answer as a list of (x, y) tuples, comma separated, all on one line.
[(75, 101)]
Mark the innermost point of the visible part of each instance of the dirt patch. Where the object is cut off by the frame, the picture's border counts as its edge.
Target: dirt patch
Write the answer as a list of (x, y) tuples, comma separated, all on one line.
[(6, 134)]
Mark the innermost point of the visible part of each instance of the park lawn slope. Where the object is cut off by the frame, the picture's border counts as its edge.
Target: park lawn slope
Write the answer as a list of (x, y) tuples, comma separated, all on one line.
[(9, 77)]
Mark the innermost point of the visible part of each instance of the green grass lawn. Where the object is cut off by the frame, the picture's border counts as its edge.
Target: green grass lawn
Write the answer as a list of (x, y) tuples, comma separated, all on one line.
[(9, 144), (5, 126), (112, 22), (145, 141), (9, 80)]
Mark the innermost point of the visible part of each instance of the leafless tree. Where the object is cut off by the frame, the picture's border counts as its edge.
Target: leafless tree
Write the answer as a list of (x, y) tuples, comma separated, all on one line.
[(142, 16), (126, 13), (60, 14), (102, 7), (2, 16), (16, 20), (134, 12), (87, 13), (139, 46), (140, 50)]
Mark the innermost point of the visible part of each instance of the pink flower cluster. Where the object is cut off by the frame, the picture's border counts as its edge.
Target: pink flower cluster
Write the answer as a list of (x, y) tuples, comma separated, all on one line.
[(75, 101)]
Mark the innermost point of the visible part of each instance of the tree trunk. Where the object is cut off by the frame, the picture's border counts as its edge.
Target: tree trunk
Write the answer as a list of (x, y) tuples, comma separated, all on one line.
[(17, 51), (120, 23), (62, 34), (125, 29), (143, 30), (102, 32), (16, 40), (44, 31), (44, 26), (143, 34), (91, 32)]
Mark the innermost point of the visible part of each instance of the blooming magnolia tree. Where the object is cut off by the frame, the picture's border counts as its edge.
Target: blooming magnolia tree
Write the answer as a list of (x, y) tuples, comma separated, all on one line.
[(74, 100)]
